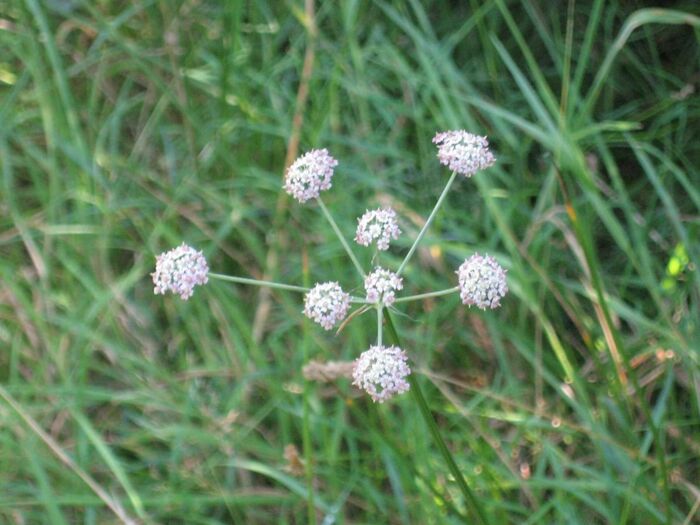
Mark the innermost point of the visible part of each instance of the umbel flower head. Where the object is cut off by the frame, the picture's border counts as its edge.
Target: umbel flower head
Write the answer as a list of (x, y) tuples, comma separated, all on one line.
[(381, 372), (179, 271), (463, 152), (377, 225), (310, 174), (381, 284), (327, 304), (482, 282)]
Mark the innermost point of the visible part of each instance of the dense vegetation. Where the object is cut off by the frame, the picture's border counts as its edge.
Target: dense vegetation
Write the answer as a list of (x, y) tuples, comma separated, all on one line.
[(128, 127)]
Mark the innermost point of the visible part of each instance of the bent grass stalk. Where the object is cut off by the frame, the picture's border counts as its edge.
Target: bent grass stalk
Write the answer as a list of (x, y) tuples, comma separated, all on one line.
[(469, 498)]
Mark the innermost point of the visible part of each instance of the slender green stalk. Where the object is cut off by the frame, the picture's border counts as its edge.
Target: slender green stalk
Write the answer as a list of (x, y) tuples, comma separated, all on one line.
[(438, 204), (256, 282), (341, 237), (439, 293), (307, 444), (474, 506), (380, 322)]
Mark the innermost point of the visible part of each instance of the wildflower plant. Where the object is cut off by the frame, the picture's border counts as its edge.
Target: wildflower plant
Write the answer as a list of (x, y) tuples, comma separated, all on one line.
[(383, 372)]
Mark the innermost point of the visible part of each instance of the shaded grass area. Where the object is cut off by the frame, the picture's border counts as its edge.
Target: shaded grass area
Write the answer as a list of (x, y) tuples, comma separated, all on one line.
[(126, 128)]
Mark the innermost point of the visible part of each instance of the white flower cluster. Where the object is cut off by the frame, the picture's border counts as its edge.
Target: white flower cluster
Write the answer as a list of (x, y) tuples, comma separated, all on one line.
[(482, 282), (327, 304), (378, 225), (381, 372), (463, 152), (381, 285), (310, 174), (179, 271)]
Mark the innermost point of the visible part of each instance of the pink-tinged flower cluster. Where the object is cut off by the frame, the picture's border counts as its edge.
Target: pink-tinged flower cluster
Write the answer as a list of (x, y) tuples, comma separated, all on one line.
[(463, 152), (381, 372), (379, 225), (327, 304), (179, 271), (482, 282), (381, 285), (310, 174)]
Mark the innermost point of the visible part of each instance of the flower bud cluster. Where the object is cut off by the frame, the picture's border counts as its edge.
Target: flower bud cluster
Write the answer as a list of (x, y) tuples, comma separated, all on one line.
[(310, 174), (381, 372), (463, 152), (327, 304), (381, 285), (179, 271), (378, 225), (482, 282)]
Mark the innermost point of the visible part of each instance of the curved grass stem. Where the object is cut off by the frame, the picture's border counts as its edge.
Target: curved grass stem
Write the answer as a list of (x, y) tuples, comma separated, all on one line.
[(473, 504)]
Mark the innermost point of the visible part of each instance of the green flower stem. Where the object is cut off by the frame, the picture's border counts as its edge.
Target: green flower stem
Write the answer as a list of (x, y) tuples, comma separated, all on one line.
[(380, 322), (428, 222), (255, 282), (359, 300), (472, 503), (340, 236), (426, 295)]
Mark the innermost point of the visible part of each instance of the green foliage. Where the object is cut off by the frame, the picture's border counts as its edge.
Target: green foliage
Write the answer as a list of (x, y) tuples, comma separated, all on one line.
[(128, 127)]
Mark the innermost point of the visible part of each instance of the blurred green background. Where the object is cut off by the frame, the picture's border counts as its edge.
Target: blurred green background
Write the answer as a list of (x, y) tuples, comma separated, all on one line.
[(129, 127)]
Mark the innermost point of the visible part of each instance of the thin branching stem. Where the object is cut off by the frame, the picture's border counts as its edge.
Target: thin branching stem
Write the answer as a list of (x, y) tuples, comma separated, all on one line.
[(472, 503), (425, 227), (439, 293), (341, 237), (256, 282)]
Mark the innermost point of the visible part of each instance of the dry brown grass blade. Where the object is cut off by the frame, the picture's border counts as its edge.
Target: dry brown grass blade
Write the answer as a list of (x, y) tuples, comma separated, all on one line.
[(272, 260)]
